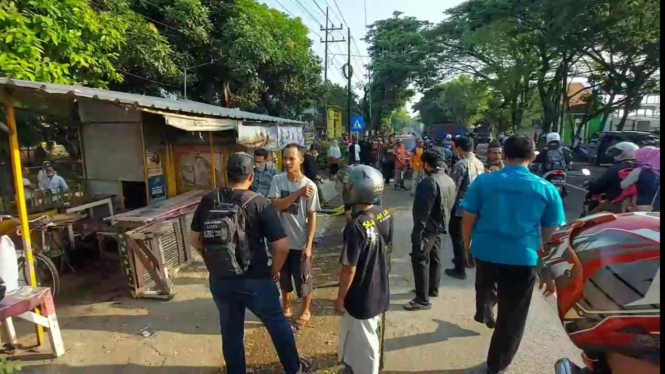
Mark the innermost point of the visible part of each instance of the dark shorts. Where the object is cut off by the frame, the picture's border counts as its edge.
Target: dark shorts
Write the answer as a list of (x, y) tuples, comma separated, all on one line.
[(298, 270)]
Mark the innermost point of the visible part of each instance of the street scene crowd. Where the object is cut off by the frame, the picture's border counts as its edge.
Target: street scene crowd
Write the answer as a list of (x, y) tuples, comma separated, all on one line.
[(257, 237)]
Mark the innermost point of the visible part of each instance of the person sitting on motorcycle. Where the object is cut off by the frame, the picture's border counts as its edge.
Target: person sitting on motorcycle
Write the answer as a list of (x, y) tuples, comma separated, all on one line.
[(610, 312), (610, 182), (555, 156), (448, 142)]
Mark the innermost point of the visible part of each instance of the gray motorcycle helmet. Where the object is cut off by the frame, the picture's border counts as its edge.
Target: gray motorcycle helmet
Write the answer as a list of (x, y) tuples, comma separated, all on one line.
[(364, 185), (343, 174)]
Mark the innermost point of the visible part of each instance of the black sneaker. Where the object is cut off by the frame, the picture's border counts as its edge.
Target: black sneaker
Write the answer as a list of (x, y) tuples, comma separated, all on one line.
[(455, 273), (487, 321)]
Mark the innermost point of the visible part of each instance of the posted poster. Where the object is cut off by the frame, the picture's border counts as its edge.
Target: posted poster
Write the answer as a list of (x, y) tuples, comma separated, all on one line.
[(195, 168), (290, 134), (157, 187), (156, 179), (258, 137)]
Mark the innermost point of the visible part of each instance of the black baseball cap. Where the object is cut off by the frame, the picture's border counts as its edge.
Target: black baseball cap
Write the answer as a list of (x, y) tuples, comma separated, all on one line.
[(240, 163)]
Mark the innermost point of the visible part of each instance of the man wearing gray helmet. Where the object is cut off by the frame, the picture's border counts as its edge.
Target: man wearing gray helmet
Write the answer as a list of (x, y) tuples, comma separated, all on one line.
[(363, 294), (435, 197)]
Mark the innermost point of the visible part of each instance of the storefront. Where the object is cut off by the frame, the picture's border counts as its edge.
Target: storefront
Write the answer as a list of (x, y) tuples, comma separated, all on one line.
[(142, 152)]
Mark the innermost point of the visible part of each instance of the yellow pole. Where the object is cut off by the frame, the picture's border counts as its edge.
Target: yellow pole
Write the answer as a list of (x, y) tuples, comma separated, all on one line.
[(20, 197), (213, 161)]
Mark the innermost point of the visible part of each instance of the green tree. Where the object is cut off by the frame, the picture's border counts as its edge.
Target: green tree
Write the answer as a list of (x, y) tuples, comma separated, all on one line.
[(59, 41), (397, 49)]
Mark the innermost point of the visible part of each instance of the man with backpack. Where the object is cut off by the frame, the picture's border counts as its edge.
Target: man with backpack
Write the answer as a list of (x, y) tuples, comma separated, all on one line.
[(230, 229), (555, 156)]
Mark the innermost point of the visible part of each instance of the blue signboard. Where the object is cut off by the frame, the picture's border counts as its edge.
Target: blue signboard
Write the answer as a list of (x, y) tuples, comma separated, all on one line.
[(157, 187), (357, 124)]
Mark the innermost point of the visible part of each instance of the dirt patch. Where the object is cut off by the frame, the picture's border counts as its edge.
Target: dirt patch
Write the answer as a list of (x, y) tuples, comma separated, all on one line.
[(318, 340)]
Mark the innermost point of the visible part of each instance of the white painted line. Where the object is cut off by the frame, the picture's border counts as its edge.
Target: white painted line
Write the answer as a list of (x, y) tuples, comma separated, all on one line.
[(576, 187)]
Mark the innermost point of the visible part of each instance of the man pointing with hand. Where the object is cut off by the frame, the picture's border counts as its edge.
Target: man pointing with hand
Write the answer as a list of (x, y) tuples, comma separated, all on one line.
[(295, 197)]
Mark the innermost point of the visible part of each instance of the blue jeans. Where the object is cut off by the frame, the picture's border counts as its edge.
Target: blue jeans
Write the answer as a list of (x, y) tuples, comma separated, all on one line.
[(261, 297)]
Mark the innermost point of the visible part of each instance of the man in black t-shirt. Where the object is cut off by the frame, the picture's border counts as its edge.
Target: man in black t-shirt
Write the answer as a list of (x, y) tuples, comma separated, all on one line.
[(255, 289), (363, 294), (309, 167)]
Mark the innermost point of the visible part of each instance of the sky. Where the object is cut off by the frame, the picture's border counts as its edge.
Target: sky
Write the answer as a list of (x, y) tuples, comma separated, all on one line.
[(353, 13)]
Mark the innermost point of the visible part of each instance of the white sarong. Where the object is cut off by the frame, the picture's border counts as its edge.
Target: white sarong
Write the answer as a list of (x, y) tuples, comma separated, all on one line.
[(360, 344)]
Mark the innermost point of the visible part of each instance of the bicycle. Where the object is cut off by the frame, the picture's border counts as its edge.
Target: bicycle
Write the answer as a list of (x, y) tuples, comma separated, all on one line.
[(46, 271)]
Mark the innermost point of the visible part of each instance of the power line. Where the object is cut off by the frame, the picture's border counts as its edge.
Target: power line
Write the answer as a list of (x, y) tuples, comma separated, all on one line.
[(288, 11), (318, 6), (147, 79), (340, 13)]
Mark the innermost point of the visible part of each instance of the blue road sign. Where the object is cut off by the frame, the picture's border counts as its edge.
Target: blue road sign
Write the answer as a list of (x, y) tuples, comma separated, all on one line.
[(357, 124)]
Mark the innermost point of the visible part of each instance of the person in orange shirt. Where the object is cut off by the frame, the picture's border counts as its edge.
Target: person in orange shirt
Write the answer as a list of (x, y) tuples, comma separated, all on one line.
[(400, 163), (417, 165)]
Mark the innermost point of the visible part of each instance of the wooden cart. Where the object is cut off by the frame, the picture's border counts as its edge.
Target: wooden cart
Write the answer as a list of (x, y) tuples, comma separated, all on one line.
[(154, 244)]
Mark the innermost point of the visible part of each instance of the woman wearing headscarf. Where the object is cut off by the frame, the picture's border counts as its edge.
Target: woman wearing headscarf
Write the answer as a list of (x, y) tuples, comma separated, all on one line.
[(334, 157), (646, 177)]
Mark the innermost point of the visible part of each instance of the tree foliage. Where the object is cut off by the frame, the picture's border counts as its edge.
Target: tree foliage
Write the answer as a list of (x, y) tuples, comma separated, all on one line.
[(398, 51), (234, 53), (59, 41), (527, 52)]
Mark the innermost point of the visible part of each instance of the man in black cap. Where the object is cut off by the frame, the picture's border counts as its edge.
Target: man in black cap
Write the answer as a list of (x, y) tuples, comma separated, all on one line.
[(230, 229), (494, 161), (434, 200)]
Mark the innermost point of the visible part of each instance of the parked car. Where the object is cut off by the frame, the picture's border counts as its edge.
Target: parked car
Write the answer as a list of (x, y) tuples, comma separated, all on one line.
[(609, 138)]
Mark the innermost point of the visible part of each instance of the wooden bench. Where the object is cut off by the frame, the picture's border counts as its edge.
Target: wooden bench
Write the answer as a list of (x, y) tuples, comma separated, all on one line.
[(20, 304)]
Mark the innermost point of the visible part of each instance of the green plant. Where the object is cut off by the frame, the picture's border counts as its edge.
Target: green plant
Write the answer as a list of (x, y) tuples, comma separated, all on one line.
[(9, 366)]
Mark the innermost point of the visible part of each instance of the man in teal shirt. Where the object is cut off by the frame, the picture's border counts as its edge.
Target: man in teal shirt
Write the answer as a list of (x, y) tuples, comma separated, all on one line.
[(507, 215)]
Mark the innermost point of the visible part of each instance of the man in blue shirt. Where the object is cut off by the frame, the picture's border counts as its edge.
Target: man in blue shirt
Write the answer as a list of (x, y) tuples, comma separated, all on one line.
[(507, 215)]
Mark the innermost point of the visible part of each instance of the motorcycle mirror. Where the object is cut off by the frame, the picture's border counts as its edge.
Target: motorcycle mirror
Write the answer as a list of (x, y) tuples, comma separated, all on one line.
[(586, 172)]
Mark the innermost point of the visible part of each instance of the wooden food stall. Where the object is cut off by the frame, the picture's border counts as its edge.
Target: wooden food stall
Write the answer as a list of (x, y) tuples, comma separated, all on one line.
[(154, 244)]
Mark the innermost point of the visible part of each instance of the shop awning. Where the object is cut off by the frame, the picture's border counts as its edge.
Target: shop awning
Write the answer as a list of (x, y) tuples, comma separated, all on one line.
[(190, 123)]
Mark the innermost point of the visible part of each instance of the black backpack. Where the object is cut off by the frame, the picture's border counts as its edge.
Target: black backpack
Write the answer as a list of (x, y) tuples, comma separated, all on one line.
[(226, 249)]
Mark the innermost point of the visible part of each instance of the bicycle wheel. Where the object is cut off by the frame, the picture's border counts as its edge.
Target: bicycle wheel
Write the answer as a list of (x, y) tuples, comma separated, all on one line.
[(45, 271)]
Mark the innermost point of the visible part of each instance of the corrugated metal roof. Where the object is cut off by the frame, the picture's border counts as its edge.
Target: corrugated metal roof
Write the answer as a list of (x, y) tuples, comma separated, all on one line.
[(176, 106)]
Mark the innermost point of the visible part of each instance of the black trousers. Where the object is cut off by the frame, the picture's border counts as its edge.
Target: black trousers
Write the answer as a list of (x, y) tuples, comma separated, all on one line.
[(388, 170), (455, 230), (511, 287), (426, 264)]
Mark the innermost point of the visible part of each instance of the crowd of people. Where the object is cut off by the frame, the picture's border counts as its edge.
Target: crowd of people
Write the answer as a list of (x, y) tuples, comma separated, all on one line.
[(257, 239)]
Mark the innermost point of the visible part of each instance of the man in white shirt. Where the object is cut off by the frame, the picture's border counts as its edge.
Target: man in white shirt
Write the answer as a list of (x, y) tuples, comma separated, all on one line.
[(53, 183)]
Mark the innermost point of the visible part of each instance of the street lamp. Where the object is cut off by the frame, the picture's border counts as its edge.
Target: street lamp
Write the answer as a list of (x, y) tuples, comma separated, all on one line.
[(184, 70)]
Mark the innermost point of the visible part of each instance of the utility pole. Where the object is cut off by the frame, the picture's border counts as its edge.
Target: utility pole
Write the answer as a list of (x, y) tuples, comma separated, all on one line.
[(349, 73), (326, 41)]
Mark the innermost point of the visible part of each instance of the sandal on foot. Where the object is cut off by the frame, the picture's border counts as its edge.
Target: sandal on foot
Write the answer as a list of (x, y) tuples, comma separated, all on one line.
[(299, 324), (414, 305)]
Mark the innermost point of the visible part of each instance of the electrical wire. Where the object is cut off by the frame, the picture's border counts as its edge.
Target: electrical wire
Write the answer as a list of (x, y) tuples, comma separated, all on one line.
[(147, 79)]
